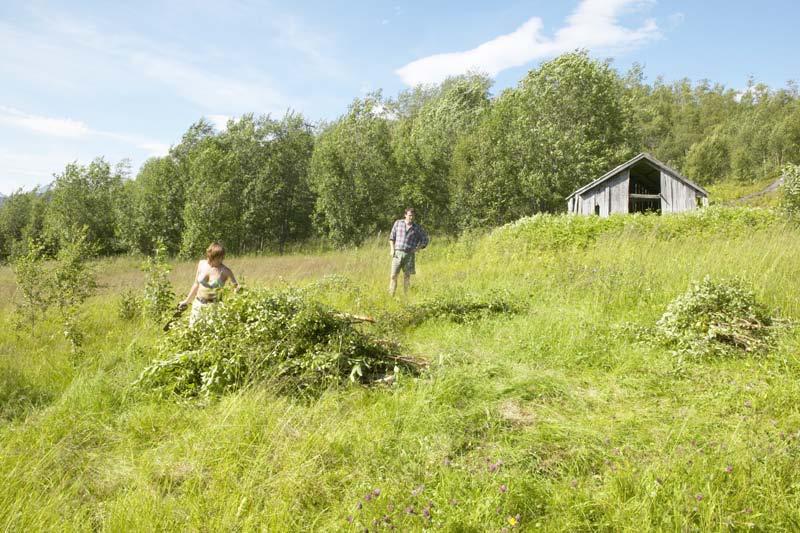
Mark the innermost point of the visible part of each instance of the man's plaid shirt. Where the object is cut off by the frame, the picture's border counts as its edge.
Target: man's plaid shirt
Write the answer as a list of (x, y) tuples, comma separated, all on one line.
[(408, 239)]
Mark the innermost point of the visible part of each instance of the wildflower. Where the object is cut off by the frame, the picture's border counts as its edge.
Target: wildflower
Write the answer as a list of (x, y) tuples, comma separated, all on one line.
[(699, 497), (417, 491), (512, 521), (729, 469), (503, 488), (359, 506), (446, 461), (376, 492), (350, 519), (410, 510), (426, 512), (453, 502)]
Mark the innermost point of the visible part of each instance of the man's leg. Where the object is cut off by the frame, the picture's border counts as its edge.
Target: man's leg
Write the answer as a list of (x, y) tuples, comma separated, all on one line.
[(392, 284), (406, 282)]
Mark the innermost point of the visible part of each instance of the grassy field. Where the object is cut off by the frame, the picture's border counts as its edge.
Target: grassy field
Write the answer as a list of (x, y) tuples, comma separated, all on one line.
[(565, 416)]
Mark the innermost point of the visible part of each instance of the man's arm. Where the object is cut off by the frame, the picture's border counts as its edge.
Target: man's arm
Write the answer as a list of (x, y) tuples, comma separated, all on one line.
[(392, 238), (423, 239)]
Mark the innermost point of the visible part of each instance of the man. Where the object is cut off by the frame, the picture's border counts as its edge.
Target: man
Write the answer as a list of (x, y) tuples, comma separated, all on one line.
[(405, 239)]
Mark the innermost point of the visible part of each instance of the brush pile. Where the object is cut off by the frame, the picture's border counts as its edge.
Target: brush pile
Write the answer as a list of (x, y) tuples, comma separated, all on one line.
[(717, 318), (281, 337)]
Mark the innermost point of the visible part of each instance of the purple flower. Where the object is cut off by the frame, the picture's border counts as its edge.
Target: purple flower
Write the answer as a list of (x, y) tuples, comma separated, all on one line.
[(426, 512), (376, 492), (729, 469), (503, 488), (699, 497), (350, 519), (368, 497), (409, 510)]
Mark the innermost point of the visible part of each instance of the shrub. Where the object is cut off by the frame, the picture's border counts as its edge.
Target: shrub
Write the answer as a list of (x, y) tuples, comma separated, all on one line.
[(129, 305), (791, 190), (158, 296), (257, 336), (716, 318), (31, 277)]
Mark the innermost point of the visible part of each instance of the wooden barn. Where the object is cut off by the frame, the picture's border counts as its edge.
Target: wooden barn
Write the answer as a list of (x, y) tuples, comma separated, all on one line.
[(640, 185)]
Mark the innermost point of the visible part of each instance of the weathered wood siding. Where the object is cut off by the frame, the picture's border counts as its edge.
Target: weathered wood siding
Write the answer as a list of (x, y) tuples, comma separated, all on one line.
[(676, 196), (611, 196)]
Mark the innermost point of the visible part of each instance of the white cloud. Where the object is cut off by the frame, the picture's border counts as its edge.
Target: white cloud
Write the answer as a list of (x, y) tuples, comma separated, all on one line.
[(58, 127), (594, 24)]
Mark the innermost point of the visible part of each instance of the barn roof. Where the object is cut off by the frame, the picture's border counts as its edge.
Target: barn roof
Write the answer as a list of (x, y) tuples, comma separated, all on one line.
[(643, 156)]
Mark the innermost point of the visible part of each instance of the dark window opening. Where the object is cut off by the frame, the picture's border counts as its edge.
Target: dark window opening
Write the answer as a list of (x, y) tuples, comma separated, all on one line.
[(644, 205), (644, 188), (596, 209)]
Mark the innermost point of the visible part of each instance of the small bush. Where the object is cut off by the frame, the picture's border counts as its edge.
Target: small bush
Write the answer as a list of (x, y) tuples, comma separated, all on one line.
[(157, 297), (717, 318), (260, 335), (129, 305), (791, 190)]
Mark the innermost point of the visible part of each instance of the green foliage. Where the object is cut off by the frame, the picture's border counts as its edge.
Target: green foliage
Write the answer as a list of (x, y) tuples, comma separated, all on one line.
[(354, 175), (275, 156), (566, 123), (31, 279), (151, 207), (791, 190), (129, 304), (72, 280), (85, 197), (717, 318), (456, 307), (20, 220), (261, 335), (423, 144), (213, 208), (157, 296), (248, 186), (553, 232), (63, 284)]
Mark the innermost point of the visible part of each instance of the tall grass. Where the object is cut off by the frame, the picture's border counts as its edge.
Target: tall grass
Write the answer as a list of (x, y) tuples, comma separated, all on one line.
[(564, 416)]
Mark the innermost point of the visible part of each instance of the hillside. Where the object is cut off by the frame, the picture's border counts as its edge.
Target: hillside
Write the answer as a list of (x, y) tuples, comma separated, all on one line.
[(567, 413)]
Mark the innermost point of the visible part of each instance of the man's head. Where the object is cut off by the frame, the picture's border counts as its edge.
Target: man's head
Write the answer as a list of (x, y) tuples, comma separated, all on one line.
[(215, 253), (410, 215)]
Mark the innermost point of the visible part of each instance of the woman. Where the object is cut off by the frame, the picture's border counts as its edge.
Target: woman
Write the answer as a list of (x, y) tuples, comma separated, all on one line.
[(210, 278)]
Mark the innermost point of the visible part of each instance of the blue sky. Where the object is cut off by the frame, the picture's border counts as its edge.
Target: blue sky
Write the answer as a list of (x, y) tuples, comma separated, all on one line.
[(125, 80)]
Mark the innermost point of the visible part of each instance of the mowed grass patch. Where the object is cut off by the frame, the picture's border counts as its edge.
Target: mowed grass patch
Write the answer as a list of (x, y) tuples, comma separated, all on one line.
[(567, 415)]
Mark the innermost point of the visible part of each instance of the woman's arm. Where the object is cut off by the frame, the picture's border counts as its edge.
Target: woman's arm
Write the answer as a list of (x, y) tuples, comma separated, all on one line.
[(230, 276)]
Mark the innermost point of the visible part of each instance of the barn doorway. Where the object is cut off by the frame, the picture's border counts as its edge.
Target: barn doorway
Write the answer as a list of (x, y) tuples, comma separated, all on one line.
[(644, 188)]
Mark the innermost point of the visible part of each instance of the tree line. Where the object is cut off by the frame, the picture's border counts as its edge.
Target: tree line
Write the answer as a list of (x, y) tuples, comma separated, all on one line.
[(460, 156)]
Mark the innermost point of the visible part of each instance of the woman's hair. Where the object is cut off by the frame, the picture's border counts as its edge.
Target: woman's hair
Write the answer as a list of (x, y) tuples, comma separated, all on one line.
[(215, 251)]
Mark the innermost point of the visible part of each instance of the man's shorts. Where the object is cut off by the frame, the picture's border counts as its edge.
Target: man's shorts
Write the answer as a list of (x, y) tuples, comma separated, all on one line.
[(403, 260)]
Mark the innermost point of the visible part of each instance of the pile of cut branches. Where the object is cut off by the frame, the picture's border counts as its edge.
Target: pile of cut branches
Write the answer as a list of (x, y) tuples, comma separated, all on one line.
[(717, 318), (282, 337)]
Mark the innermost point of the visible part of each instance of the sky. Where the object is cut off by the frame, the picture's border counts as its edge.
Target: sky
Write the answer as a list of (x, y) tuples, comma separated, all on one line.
[(124, 80)]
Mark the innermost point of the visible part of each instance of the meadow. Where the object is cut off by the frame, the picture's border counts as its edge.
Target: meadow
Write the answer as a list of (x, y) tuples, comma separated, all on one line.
[(566, 415)]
